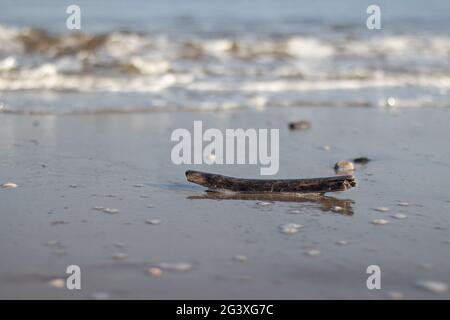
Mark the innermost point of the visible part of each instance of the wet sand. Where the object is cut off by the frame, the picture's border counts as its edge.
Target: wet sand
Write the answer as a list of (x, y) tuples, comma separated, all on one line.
[(65, 166)]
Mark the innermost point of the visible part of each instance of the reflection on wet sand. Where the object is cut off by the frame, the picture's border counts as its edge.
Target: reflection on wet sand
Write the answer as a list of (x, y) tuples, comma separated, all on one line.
[(324, 203)]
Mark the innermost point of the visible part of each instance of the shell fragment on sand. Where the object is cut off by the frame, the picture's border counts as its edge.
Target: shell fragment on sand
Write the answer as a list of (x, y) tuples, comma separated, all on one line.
[(58, 222), (344, 166), (57, 283), (394, 295), (240, 258), (264, 203), (382, 209), (399, 216), (179, 267), (54, 243), (290, 228), (119, 256), (152, 221), (100, 296), (432, 286), (120, 244), (106, 210), (313, 253), (212, 157), (380, 221), (9, 185), (110, 210), (154, 272)]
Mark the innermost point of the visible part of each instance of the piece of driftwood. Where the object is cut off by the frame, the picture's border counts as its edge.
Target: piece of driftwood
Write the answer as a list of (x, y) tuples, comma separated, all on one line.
[(217, 182), (324, 203)]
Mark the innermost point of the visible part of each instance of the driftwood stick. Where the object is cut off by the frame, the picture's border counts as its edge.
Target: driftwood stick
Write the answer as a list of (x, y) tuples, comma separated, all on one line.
[(217, 182)]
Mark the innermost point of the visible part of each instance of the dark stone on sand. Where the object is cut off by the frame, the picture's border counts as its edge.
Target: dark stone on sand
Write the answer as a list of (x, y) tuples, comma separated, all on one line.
[(361, 160), (300, 125)]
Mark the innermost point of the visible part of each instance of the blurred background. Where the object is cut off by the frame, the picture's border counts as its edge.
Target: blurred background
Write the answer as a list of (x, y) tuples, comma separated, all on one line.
[(214, 55)]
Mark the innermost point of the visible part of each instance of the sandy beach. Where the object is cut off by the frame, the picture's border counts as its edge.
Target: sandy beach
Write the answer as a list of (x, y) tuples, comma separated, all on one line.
[(97, 100), (65, 166)]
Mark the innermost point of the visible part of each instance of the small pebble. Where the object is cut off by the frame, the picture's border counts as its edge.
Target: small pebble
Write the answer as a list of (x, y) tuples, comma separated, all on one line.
[(342, 242), (300, 125), (290, 228), (106, 210), (400, 216), (56, 222), (326, 148), (100, 296), (211, 157), (361, 160), (240, 258), (54, 244), (382, 209), (403, 204), (380, 221), (73, 186), (152, 221), (432, 286), (120, 245), (9, 185), (394, 295), (264, 203), (180, 267), (119, 256), (425, 265), (59, 252), (57, 283), (344, 166), (313, 253), (337, 209), (154, 272), (390, 102)]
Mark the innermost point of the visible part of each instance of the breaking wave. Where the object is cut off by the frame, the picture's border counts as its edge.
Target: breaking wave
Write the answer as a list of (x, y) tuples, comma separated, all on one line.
[(130, 71)]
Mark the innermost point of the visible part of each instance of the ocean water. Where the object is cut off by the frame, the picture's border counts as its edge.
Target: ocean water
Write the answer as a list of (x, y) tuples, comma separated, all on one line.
[(218, 55)]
